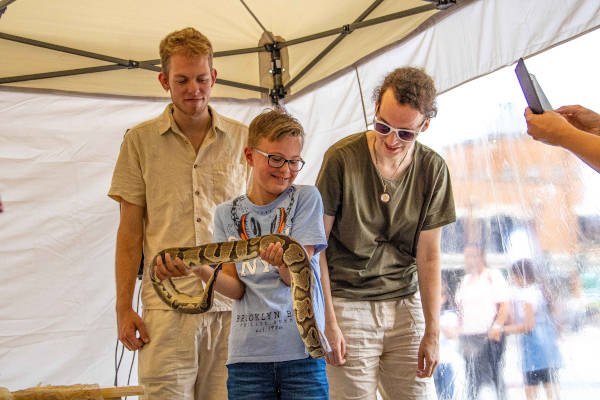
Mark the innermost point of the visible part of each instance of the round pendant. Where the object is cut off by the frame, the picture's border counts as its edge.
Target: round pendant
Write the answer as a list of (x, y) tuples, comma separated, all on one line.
[(385, 197)]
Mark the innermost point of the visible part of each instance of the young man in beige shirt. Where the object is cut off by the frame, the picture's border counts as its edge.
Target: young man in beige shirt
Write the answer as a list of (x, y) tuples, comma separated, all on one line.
[(171, 173)]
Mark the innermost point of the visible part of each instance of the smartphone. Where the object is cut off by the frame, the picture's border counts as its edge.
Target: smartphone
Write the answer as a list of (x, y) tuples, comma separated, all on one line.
[(536, 99)]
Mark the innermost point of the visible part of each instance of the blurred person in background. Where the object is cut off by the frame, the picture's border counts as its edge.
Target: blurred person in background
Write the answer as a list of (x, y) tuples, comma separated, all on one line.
[(534, 323), (482, 303), (573, 313), (445, 374)]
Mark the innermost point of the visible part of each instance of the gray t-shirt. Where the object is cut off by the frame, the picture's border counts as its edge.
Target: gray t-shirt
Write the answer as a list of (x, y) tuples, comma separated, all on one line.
[(263, 327), (373, 245)]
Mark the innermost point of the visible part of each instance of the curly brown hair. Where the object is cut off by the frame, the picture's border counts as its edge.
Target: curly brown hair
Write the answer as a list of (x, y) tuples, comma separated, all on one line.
[(188, 42), (273, 125), (411, 86)]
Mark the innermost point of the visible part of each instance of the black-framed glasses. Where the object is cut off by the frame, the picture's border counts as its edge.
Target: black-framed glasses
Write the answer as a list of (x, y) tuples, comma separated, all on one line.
[(276, 161), (406, 135)]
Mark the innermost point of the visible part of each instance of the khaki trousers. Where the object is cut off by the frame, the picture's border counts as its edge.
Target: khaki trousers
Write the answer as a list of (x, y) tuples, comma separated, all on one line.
[(185, 359), (382, 345)]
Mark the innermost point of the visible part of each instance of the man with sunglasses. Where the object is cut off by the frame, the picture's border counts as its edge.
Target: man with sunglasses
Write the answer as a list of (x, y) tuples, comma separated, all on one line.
[(386, 198)]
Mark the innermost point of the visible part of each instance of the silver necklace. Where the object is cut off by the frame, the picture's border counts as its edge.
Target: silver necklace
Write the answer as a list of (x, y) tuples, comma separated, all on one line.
[(385, 196)]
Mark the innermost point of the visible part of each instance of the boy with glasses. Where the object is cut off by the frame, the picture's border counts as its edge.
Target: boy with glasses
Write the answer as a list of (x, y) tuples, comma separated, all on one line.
[(386, 197), (267, 358)]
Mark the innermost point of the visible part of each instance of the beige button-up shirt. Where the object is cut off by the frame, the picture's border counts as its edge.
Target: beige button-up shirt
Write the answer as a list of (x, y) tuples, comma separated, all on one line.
[(159, 170)]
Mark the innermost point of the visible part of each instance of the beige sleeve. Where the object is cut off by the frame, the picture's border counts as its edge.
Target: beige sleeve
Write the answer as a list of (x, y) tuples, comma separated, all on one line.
[(128, 181)]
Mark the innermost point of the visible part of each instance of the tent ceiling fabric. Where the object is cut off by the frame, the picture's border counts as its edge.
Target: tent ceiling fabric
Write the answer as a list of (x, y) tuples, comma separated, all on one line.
[(131, 30), (470, 39)]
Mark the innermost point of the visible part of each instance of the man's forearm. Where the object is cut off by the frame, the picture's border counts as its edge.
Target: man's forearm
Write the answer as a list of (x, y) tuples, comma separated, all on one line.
[(584, 145), (330, 318), (430, 278), (128, 256), (430, 288), (326, 285)]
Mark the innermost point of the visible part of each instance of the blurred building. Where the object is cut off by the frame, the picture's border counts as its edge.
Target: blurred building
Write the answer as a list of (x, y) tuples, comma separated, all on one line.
[(520, 198)]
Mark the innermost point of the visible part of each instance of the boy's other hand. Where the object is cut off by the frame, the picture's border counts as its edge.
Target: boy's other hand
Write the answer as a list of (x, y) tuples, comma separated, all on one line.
[(274, 256)]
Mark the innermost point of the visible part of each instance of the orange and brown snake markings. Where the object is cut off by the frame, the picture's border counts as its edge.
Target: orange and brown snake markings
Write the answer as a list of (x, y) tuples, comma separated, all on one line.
[(294, 257)]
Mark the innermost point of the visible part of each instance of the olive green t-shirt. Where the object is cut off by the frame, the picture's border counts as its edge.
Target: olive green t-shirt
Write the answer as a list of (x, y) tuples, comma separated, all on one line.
[(372, 246)]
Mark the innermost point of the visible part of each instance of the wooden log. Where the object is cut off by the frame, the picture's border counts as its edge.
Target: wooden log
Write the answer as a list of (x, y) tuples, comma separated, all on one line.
[(115, 393), (74, 392)]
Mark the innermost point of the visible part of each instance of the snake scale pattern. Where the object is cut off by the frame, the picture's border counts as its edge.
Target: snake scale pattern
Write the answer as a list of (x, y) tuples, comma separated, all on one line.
[(294, 257)]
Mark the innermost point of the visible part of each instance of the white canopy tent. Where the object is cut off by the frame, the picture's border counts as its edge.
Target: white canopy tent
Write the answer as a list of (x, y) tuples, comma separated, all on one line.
[(75, 38), (60, 136)]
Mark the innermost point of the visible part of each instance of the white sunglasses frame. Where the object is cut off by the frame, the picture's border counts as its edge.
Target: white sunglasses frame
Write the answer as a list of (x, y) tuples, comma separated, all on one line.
[(396, 130)]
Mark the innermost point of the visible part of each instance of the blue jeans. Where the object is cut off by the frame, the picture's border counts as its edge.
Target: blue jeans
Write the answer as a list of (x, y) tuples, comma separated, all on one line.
[(296, 379), (444, 381)]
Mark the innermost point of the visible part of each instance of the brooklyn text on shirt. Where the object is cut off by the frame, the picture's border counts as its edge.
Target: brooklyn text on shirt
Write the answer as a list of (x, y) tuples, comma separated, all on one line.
[(265, 321)]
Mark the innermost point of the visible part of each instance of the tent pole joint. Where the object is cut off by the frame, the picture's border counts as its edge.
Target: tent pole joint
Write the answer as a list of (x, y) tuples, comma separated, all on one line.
[(278, 92), (444, 4)]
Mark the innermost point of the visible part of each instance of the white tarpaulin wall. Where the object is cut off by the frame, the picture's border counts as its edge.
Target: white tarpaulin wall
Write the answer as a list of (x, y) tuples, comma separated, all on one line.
[(57, 152)]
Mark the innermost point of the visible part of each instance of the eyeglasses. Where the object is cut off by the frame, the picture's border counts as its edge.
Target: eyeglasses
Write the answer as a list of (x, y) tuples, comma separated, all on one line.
[(277, 161), (406, 135)]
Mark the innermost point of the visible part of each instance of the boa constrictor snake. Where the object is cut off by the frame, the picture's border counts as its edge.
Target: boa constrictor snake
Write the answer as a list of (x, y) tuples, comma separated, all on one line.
[(294, 257)]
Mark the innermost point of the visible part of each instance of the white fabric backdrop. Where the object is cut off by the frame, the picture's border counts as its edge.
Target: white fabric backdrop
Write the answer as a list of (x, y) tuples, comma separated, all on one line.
[(57, 233)]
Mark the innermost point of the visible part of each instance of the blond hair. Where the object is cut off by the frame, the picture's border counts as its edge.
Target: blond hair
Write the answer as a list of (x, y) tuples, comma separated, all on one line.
[(274, 125), (187, 42)]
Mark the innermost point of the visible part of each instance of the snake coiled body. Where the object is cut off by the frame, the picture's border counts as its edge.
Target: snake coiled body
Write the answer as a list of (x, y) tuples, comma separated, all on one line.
[(294, 257)]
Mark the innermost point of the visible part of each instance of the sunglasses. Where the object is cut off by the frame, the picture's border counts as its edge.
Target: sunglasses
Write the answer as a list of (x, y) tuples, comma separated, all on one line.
[(275, 161), (406, 135)]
